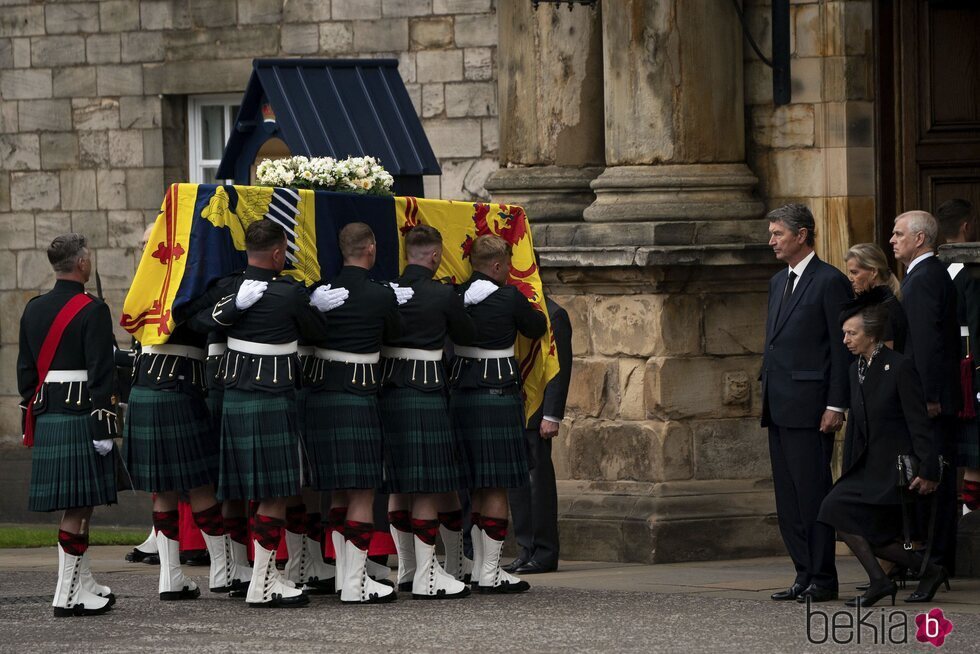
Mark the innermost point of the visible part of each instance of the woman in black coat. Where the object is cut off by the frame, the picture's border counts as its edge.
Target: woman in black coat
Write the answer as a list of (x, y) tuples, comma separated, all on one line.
[(867, 268), (888, 418)]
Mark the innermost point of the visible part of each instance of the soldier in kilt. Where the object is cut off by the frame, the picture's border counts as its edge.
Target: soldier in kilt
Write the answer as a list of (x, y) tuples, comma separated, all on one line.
[(304, 532), (487, 408), (171, 448), (343, 427), (65, 378), (233, 512), (422, 473), (263, 314)]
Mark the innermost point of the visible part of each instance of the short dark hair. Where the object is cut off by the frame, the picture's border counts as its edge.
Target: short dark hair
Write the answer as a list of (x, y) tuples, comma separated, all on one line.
[(354, 239), (489, 248), (795, 217), (264, 235), (875, 318), (951, 214), (65, 251), (422, 236)]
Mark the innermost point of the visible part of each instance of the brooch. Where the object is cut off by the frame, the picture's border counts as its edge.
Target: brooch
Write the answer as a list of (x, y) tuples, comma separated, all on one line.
[(887, 367)]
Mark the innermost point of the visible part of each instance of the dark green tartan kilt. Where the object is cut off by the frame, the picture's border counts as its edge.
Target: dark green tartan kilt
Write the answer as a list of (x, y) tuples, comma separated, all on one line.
[(304, 457), (66, 471), (259, 446), (489, 432), (214, 400), (169, 440), (420, 451), (344, 441)]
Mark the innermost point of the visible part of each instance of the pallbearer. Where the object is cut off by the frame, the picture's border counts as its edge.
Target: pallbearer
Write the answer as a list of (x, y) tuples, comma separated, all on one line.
[(171, 448), (422, 473), (343, 428), (488, 410), (65, 375), (263, 314)]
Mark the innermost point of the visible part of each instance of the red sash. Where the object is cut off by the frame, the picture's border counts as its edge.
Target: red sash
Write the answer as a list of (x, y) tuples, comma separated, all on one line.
[(48, 348)]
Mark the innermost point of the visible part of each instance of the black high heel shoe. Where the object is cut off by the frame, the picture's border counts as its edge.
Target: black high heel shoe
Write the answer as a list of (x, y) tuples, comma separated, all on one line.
[(875, 593), (930, 582), (899, 574)]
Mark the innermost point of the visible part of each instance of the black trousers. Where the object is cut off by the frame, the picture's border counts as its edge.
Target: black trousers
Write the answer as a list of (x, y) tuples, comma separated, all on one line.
[(801, 479), (534, 507)]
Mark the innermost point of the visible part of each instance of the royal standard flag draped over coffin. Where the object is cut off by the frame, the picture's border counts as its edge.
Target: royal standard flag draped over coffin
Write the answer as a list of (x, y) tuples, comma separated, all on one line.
[(199, 237)]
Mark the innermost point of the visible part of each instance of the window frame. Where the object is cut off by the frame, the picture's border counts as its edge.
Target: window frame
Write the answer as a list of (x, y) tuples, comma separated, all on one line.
[(195, 103)]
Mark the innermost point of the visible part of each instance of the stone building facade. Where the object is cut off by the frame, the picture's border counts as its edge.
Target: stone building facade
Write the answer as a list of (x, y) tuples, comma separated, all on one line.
[(641, 135)]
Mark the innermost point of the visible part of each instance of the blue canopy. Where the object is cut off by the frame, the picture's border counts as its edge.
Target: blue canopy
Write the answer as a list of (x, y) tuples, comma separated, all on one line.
[(330, 108)]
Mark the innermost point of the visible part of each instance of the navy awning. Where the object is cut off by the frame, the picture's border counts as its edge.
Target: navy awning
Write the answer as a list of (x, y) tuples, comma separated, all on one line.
[(330, 108)]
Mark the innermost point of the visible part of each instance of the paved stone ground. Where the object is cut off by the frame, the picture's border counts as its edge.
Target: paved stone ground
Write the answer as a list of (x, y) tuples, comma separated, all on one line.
[(588, 607)]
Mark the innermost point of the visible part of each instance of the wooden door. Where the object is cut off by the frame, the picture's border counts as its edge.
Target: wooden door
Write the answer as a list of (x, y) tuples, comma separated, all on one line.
[(928, 96)]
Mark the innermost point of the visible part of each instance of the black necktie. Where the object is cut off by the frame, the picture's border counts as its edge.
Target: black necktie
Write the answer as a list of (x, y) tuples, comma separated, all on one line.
[(787, 293)]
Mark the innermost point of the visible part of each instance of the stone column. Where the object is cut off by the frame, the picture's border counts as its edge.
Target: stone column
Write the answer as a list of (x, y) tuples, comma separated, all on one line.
[(549, 73), (674, 126)]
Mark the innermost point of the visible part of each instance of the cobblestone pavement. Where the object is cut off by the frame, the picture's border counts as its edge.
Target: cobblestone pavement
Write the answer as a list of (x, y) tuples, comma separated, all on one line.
[(583, 609)]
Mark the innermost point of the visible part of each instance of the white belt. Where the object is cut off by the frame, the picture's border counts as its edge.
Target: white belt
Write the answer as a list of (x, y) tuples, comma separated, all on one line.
[(480, 353), (964, 330), (347, 357), (66, 376), (217, 349), (174, 350), (411, 353), (305, 350), (262, 349)]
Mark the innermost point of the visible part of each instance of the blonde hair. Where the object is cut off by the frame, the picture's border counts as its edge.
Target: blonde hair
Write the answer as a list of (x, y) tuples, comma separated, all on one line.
[(489, 248), (871, 257)]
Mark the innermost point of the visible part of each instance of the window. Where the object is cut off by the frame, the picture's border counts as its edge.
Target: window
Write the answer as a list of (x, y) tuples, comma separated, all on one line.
[(210, 119)]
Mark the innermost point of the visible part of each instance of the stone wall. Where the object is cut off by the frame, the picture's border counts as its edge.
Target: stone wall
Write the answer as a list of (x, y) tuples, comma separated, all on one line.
[(819, 149), (93, 113)]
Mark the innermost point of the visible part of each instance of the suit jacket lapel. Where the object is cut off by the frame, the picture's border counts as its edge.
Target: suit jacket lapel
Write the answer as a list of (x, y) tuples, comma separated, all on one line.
[(774, 298), (798, 292)]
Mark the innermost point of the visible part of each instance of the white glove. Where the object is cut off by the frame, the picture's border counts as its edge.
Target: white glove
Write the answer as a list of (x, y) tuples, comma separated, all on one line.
[(479, 291), (103, 447), (325, 299), (250, 292), (403, 295)]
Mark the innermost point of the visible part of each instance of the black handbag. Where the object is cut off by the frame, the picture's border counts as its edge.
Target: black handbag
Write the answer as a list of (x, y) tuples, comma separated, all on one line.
[(908, 469)]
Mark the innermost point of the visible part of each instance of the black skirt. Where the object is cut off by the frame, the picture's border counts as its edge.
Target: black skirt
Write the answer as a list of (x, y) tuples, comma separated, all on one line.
[(847, 510)]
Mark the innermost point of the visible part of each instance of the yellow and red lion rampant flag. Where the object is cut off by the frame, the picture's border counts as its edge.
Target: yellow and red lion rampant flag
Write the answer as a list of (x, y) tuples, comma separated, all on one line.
[(198, 237)]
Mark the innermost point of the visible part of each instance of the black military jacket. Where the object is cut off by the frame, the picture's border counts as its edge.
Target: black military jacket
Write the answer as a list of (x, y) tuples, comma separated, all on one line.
[(281, 316), (434, 311), (357, 326), (85, 345), (167, 372), (498, 319)]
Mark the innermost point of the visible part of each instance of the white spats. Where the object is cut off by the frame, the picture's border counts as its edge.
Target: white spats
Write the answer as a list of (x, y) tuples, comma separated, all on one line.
[(71, 598), (267, 588), (173, 584), (493, 579), (460, 567), (431, 581), (405, 546), (357, 586)]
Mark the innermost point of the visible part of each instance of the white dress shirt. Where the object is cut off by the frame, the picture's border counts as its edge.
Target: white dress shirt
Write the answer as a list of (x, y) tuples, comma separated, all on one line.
[(915, 261)]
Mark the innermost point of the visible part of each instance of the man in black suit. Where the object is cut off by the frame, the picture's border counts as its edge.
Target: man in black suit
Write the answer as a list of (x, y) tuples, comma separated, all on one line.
[(804, 396), (929, 299), (534, 507)]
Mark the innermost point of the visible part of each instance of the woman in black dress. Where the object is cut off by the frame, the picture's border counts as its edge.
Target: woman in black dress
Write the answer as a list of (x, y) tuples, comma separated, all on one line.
[(888, 418), (867, 268)]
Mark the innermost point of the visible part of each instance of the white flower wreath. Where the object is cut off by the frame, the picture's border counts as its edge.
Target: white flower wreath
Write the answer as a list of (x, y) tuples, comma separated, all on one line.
[(361, 175)]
